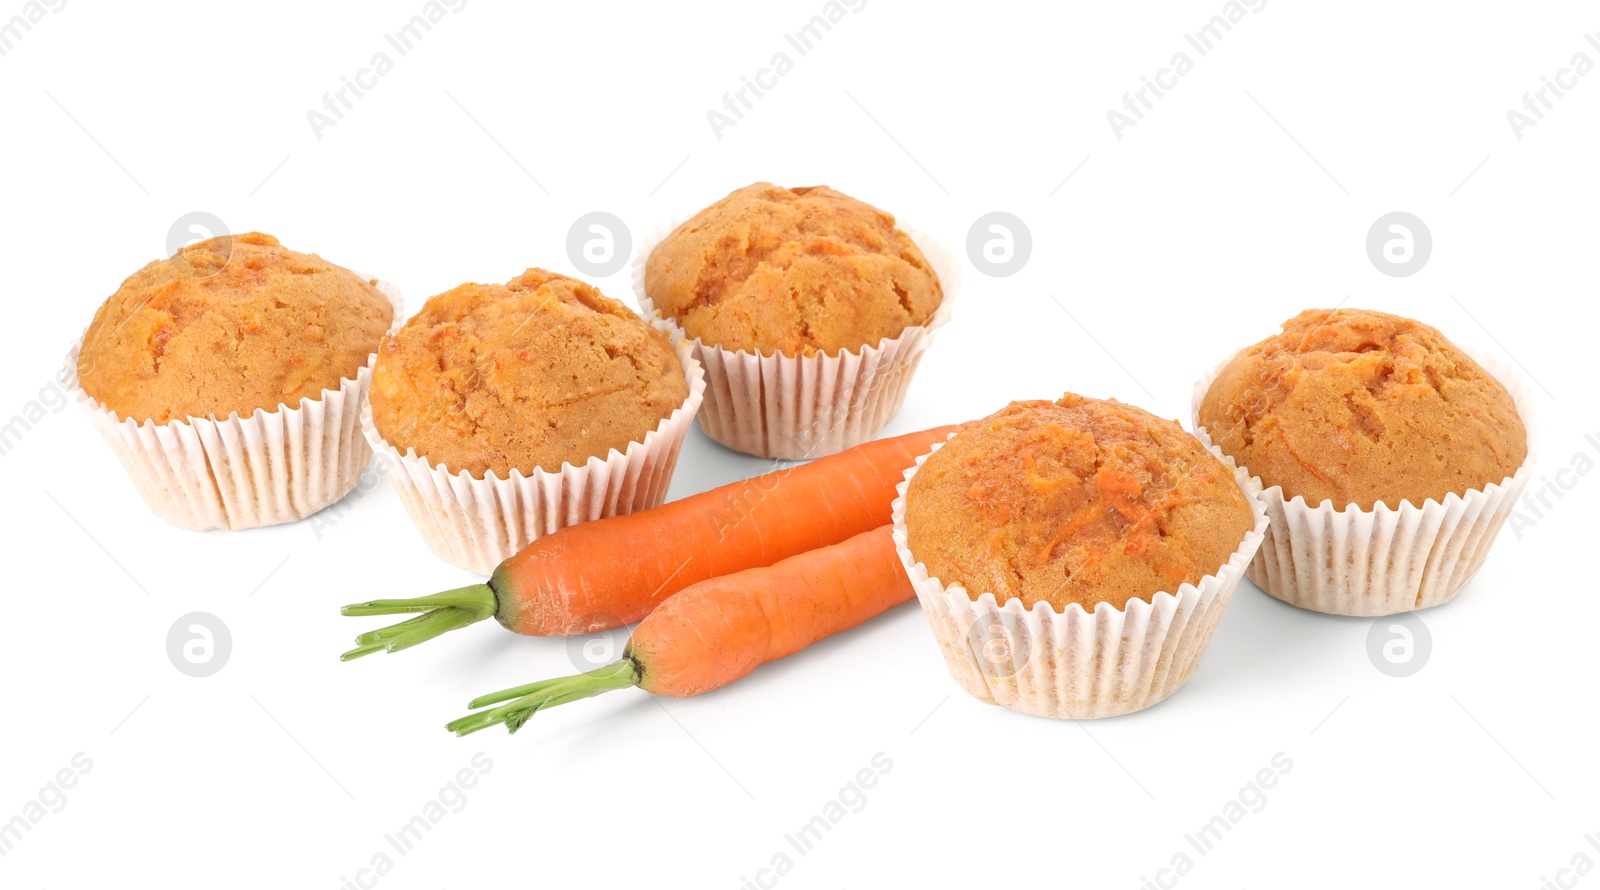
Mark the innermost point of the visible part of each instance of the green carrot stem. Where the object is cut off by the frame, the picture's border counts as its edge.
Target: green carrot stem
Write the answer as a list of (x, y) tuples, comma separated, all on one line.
[(471, 597), (523, 702), (384, 634), (505, 695), (360, 651), (442, 613)]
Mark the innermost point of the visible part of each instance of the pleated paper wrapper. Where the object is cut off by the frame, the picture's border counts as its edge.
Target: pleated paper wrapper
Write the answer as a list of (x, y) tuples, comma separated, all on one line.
[(245, 472), (1075, 664), (802, 407), (477, 523), (1383, 561)]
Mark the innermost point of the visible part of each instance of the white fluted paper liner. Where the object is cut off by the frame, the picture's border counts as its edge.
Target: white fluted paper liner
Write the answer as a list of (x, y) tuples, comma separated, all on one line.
[(1385, 560), (1075, 664), (244, 472), (801, 407), (477, 523)]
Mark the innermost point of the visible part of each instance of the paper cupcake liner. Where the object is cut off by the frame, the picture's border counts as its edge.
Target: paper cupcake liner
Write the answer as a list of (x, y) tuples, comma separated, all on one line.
[(1383, 561), (1075, 664), (477, 523), (244, 472), (802, 407)]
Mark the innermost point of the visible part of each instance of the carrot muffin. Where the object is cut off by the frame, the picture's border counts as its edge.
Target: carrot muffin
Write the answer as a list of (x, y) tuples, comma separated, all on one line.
[(230, 325), (540, 371), (795, 271), (1359, 407), (1074, 501)]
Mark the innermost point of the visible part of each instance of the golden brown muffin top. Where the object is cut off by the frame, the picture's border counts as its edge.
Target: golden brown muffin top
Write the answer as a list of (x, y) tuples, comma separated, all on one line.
[(231, 324), (530, 374), (1074, 501), (1357, 407), (798, 271)]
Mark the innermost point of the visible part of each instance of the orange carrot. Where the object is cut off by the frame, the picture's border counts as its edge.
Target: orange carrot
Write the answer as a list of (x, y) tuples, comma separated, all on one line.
[(716, 631), (611, 572)]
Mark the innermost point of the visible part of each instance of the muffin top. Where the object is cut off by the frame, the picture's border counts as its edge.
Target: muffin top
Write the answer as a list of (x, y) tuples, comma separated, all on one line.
[(1358, 407), (231, 324), (530, 374), (797, 271), (1074, 501)]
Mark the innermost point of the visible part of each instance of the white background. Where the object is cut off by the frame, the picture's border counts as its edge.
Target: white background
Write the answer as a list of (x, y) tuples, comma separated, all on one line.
[(1199, 231)]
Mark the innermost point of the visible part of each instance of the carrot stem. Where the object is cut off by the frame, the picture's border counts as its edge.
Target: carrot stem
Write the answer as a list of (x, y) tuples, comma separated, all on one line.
[(473, 596), (523, 702), (442, 613), (505, 695)]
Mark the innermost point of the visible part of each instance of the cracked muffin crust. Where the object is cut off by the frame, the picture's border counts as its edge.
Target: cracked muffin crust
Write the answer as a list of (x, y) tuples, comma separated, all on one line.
[(797, 271), (231, 324), (1074, 501), (1357, 407), (537, 372)]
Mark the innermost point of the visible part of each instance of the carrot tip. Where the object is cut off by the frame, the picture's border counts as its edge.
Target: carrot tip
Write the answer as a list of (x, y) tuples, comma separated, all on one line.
[(473, 597), (522, 702), (506, 695), (359, 651), (442, 613)]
